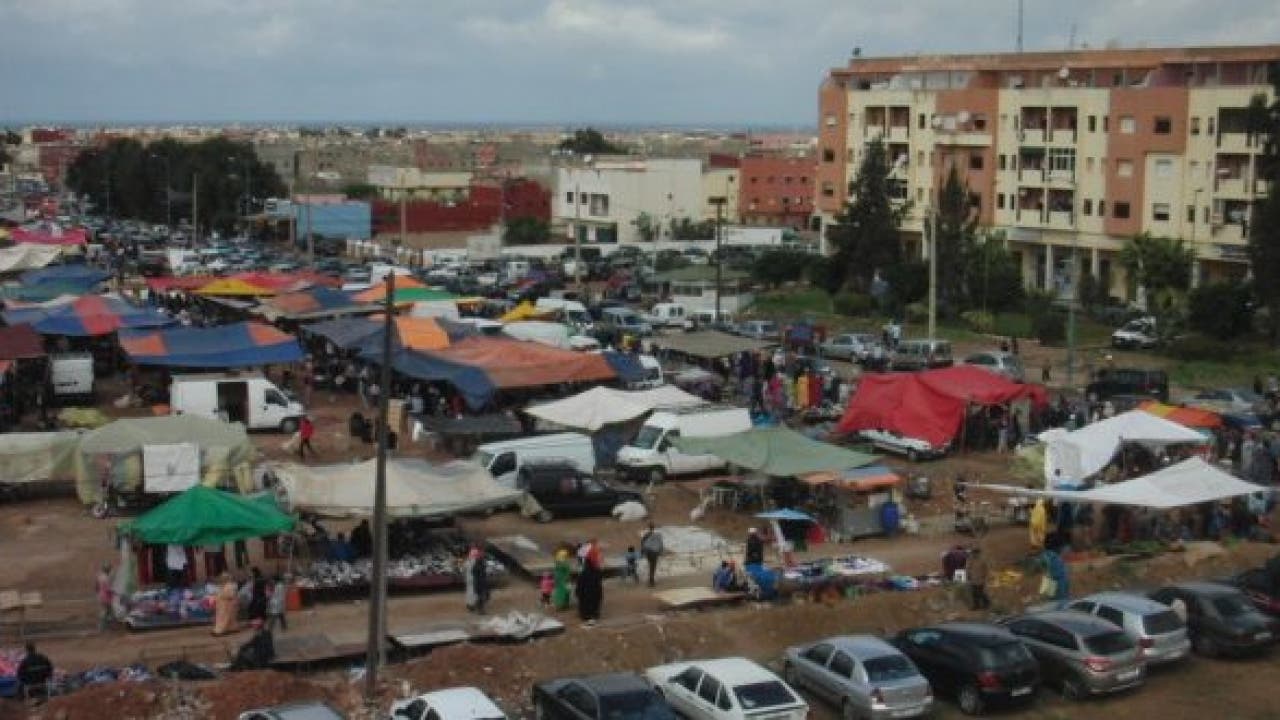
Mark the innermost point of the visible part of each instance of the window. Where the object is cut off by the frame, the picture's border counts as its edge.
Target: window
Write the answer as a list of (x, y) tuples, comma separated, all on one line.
[(580, 699), (1106, 123), (1127, 125), (830, 120), (819, 654), (1121, 211), (1003, 162), (1164, 168), (568, 197), (1209, 129), (1087, 207), (1160, 212), (786, 180), (804, 179), (709, 690), (505, 463), (999, 201), (1191, 213), (1093, 123), (754, 180), (1102, 208), (1163, 125), (920, 158), (842, 665), (1062, 160), (1111, 615), (828, 190), (975, 201), (1089, 164), (828, 155), (975, 161), (1195, 126), (922, 121), (1124, 168), (688, 679)]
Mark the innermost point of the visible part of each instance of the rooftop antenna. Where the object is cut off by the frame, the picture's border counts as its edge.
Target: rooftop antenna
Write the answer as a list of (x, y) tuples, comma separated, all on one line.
[(1071, 42), (1019, 25)]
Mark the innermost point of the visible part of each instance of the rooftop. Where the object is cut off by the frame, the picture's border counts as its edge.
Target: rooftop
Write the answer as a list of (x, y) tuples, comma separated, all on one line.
[(1090, 58)]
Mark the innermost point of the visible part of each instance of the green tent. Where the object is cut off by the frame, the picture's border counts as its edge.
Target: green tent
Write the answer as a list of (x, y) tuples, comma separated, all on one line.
[(421, 294), (776, 451), (205, 516)]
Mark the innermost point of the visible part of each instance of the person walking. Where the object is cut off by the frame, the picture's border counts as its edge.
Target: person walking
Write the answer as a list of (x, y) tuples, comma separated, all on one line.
[(106, 597), (257, 595), (306, 430), (651, 548), (976, 572), (225, 606), (276, 602), (755, 549), (590, 588), (561, 571), (477, 580)]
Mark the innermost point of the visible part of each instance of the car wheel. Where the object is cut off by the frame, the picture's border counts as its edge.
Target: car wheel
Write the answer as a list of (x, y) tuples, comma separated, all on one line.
[(289, 426), (656, 476), (1073, 689), (970, 700), (1205, 645)]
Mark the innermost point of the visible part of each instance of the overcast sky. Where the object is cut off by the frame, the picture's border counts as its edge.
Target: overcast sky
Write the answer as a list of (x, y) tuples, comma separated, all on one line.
[(712, 62)]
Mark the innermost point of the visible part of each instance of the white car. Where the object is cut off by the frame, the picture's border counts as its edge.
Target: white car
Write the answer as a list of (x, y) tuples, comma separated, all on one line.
[(913, 448), (1136, 334), (726, 689), (463, 703)]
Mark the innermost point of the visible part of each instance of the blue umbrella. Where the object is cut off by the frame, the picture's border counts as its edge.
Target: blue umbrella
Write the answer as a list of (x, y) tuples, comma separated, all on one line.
[(785, 514)]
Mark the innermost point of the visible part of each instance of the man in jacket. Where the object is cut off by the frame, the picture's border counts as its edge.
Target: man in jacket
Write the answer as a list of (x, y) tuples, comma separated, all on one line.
[(651, 548), (976, 572)]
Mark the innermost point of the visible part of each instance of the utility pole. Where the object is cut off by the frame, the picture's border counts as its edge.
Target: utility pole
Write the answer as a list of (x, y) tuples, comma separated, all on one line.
[(931, 233), (719, 203), (378, 580), (1020, 25), (404, 219), (195, 208), (577, 237), (1072, 299)]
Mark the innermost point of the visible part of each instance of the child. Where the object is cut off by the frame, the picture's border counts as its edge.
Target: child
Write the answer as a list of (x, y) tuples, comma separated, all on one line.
[(633, 565), (546, 586), (276, 592)]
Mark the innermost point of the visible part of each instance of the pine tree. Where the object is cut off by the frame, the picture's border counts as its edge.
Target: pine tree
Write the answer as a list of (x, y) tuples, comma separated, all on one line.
[(957, 226), (1264, 230), (865, 236)]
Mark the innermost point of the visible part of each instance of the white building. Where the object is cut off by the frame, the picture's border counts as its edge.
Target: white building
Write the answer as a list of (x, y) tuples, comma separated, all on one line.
[(601, 200), (393, 182)]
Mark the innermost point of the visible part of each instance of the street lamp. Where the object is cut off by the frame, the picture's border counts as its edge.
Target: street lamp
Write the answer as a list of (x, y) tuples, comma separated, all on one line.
[(168, 189)]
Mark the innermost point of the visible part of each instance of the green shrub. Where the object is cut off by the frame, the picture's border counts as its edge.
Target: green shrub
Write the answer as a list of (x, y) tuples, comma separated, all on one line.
[(1223, 310), (917, 312), (1196, 347), (1050, 328), (979, 321), (851, 304)]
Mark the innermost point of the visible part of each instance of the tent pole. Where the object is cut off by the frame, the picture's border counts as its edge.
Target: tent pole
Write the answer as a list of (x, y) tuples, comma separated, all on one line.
[(378, 581)]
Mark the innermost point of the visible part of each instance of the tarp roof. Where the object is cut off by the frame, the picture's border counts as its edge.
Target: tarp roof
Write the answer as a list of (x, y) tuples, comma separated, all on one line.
[(1189, 416), (929, 405), (88, 315), (1190, 482), (869, 477), (132, 433), (404, 284), (235, 287), (1082, 453), (205, 516), (523, 311), (553, 334), (27, 257), (52, 236), (365, 333), (415, 488), (77, 272), (18, 342), (27, 457), (41, 292), (241, 344), (709, 344), (777, 451), (593, 409), (313, 303)]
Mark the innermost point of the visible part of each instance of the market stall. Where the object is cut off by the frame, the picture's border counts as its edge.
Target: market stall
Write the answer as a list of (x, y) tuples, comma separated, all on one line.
[(238, 345), (850, 501), (1072, 457)]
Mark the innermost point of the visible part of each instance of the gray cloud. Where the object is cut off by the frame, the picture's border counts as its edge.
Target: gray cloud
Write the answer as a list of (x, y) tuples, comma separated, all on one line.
[(728, 62)]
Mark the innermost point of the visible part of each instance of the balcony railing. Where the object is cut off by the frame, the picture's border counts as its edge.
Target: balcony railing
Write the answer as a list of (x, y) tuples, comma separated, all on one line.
[(1031, 136), (1063, 137), (1031, 176)]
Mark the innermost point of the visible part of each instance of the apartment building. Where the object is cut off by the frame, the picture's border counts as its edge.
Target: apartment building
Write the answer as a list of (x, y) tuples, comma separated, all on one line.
[(777, 190), (1068, 153), (602, 199)]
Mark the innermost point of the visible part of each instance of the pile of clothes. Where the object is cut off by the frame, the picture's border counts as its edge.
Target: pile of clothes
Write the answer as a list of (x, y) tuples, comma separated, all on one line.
[(158, 607), (324, 574), (64, 683)]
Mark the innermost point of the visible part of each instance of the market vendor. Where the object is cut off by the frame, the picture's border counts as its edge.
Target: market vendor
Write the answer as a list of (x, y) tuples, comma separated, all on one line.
[(34, 673), (755, 548), (258, 652), (728, 578)]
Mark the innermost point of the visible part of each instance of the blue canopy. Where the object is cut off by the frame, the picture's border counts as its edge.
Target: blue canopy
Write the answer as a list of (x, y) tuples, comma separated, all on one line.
[(85, 275), (471, 382), (225, 346), (785, 514), (627, 366), (90, 315), (346, 333)]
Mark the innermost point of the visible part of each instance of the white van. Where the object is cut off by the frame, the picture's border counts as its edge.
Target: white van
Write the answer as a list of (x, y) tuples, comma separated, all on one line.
[(504, 459), (652, 374), (244, 398), (652, 455), (72, 376), (669, 315), (574, 313)]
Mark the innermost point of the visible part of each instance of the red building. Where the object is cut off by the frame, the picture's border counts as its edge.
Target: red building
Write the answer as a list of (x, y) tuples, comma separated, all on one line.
[(483, 208), (776, 190)]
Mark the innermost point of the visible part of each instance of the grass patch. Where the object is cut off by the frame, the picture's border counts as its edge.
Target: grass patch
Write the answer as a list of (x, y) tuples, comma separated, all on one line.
[(793, 303)]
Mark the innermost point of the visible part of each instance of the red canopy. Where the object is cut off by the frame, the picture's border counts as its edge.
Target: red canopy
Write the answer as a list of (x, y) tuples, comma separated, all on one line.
[(929, 405), (70, 236), (19, 342)]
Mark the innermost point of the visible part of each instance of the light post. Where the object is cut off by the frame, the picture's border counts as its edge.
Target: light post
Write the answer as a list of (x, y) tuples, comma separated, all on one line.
[(719, 202), (168, 189)]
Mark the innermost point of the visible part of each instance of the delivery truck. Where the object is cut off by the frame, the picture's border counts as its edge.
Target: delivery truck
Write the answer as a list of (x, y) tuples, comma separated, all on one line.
[(247, 398)]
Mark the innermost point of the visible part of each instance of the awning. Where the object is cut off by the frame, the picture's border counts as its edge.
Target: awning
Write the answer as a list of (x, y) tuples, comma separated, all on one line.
[(1189, 416), (313, 303), (53, 236), (224, 346), (204, 516), (593, 409), (234, 287), (863, 479), (1190, 482), (366, 334), (1086, 451), (78, 273), (777, 451), (42, 292), (87, 316), (708, 344), (415, 488)]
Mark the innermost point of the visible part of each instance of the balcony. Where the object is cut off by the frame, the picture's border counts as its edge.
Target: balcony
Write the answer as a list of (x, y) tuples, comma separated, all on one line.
[(1232, 187), (1060, 177), (1230, 234), (1237, 142), (1062, 219), (1031, 176), (1063, 137), (873, 132), (899, 133), (1029, 217), (963, 138)]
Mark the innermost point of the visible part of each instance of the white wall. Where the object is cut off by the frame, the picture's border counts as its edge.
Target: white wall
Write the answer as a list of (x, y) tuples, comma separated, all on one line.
[(664, 189)]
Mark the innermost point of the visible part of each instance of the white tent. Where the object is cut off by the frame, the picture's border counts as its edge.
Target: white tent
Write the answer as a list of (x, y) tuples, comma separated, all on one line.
[(415, 488), (540, 331), (27, 257), (1190, 482), (593, 409), (1082, 453)]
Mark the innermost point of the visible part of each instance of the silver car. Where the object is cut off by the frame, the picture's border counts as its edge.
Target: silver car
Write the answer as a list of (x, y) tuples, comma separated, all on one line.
[(1159, 632), (866, 677), (1082, 654), (999, 362), (759, 330), (854, 347)]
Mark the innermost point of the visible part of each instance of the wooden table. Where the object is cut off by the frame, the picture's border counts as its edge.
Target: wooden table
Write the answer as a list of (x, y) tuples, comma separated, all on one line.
[(15, 601)]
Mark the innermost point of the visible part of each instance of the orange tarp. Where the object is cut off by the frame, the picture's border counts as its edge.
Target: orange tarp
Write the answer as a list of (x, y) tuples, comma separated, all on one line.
[(379, 291), (516, 363), (421, 333), (1190, 417), (234, 286)]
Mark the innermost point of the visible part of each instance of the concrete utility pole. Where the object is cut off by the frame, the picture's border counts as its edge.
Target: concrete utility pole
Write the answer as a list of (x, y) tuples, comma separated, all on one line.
[(577, 237), (404, 220), (378, 579), (719, 202), (931, 233), (195, 207)]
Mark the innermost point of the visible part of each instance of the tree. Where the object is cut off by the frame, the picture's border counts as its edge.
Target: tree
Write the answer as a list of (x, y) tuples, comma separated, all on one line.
[(360, 191), (993, 275), (1162, 267), (1264, 230), (865, 235), (774, 267), (686, 229), (526, 231), (589, 141), (1221, 310), (956, 228), (647, 226)]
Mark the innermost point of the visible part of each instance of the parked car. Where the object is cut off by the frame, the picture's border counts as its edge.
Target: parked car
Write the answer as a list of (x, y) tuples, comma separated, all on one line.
[(1137, 333), (1109, 382), (921, 355), (294, 711), (862, 675), (1231, 400), (621, 321), (1257, 585), (565, 491), (980, 665), (1083, 655), (725, 689), (462, 703), (615, 696), (766, 330), (854, 347), (1220, 619), (999, 362), (1157, 630), (812, 364), (914, 449), (505, 458)]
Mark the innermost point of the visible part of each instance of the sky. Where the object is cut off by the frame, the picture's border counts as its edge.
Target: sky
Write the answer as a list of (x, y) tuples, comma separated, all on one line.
[(723, 63)]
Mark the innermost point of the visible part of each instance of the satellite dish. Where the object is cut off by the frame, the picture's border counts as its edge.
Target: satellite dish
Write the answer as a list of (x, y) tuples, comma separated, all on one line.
[(962, 116), (1064, 73)]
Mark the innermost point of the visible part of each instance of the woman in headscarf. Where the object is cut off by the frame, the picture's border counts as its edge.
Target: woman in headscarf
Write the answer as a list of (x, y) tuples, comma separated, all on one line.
[(225, 605), (561, 571), (1038, 525), (477, 578), (590, 587)]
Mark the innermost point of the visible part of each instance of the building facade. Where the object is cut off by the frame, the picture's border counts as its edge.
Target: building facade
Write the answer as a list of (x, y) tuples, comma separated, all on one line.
[(610, 200), (1069, 154), (776, 190)]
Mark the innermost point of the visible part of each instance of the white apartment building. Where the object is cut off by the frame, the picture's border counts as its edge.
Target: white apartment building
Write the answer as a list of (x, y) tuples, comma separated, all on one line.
[(600, 200)]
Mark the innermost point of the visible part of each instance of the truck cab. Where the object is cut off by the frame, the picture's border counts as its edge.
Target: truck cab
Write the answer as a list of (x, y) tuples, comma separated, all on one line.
[(250, 399), (653, 456)]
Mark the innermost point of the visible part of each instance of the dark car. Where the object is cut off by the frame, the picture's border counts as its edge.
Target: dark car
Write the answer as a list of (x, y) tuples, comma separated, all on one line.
[(1110, 382), (1220, 619), (616, 696), (565, 491), (977, 664), (1260, 589)]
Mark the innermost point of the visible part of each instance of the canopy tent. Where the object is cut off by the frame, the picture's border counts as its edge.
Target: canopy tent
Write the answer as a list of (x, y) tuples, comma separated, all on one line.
[(87, 316), (112, 454), (287, 282), (777, 451), (344, 333), (233, 287), (20, 342), (241, 344), (1189, 416), (27, 257), (177, 282), (315, 302), (593, 409), (869, 477), (204, 516), (929, 405), (42, 292), (365, 334), (709, 344), (415, 488), (404, 283), (79, 273), (1190, 482), (1082, 453), (38, 456), (552, 334), (49, 236)]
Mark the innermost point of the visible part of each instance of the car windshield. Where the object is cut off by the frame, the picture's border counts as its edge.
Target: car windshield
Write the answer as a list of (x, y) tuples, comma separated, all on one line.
[(1108, 643), (647, 438), (1231, 605), (1004, 654), (634, 706), (763, 695), (1166, 621), (889, 667)]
